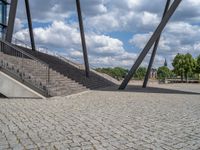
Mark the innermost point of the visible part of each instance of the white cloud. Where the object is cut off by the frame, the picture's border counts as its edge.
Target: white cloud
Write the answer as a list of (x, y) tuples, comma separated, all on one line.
[(105, 45), (139, 40), (101, 48), (102, 17), (149, 18), (18, 24)]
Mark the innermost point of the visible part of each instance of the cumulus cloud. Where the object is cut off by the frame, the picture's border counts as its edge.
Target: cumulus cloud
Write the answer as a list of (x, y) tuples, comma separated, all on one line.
[(179, 37), (139, 40), (103, 50), (104, 17)]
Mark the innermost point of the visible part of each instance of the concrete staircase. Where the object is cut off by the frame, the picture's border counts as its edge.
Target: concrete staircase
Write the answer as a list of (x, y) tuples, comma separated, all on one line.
[(64, 77), (71, 71)]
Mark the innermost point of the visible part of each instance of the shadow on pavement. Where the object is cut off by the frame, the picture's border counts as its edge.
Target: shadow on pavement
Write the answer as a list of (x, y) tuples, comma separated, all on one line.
[(139, 89), (2, 96)]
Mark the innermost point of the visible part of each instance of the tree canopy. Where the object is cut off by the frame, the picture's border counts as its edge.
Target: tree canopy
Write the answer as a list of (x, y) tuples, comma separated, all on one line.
[(140, 73), (117, 72), (184, 65), (163, 72), (198, 64), (178, 64)]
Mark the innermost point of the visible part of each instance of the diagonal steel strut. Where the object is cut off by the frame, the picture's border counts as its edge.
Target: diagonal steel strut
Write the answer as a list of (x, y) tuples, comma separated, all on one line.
[(85, 55), (11, 20), (150, 43), (154, 49), (30, 24)]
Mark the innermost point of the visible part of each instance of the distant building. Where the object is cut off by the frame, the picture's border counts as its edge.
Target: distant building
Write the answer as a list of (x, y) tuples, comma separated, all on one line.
[(153, 74), (165, 63)]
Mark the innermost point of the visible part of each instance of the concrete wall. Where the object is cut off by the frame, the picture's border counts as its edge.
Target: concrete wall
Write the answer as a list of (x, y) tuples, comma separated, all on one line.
[(14, 89)]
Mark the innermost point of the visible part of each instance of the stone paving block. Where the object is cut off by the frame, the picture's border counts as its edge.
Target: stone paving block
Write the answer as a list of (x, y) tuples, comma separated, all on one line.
[(103, 120)]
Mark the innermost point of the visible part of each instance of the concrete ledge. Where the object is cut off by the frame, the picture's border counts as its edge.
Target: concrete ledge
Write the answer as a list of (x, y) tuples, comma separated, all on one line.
[(11, 88)]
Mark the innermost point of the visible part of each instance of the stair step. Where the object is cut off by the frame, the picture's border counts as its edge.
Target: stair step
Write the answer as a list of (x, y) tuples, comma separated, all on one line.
[(64, 77)]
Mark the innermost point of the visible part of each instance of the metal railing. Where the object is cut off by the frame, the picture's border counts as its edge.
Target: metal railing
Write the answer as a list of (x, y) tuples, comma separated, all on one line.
[(46, 50), (23, 65), (65, 59)]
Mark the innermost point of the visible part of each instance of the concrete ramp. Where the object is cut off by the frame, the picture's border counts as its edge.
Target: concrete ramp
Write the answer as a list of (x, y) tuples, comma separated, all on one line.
[(11, 88)]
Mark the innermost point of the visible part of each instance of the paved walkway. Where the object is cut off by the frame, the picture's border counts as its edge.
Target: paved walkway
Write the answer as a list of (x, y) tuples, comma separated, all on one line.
[(98, 120)]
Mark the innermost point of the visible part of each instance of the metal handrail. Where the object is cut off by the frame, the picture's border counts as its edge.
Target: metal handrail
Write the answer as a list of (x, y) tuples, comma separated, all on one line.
[(52, 53), (59, 56), (47, 51), (22, 43), (23, 52), (16, 41), (21, 69), (79, 66)]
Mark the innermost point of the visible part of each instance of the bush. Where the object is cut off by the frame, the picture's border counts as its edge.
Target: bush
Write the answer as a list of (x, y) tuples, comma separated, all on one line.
[(117, 72), (164, 72)]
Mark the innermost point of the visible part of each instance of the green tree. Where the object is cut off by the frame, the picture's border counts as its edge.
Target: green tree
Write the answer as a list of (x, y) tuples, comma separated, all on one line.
[(163, 72), (117, 72), (198, 67), (178, 64), (189, 65), (120, 72), (184, 65), (140, 73), (198, 64)]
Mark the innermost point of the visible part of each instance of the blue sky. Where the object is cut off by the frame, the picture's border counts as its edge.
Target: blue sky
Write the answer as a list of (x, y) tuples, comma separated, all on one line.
[(116, 31)]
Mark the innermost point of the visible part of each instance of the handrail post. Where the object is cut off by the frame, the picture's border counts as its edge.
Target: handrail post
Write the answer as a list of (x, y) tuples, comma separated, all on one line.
[(48, 80), (22, 66), (48, 75)]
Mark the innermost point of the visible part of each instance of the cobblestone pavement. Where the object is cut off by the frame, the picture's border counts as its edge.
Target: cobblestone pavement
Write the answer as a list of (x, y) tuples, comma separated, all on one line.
[(98, 120)]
